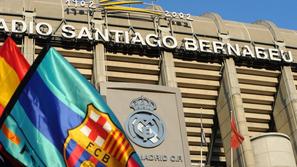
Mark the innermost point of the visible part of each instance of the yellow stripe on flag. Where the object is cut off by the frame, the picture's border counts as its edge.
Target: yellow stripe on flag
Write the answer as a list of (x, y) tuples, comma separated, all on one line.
[(10, 135), (8, 81)]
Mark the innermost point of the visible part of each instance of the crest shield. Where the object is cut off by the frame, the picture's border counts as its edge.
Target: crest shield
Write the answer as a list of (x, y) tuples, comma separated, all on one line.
[(97, 141)]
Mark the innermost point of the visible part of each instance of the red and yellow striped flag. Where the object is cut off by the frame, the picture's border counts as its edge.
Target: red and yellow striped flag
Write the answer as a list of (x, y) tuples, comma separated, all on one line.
[(13, 67)]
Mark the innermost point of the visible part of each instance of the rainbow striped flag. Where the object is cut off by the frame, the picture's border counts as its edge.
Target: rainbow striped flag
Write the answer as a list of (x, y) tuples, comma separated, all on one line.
[(63, 121)]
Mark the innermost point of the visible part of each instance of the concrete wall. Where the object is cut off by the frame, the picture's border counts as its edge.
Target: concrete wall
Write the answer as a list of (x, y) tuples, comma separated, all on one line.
[(272, 150)]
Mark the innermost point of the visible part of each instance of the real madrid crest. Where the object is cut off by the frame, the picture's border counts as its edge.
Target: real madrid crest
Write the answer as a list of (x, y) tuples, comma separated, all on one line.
[(144, 126)]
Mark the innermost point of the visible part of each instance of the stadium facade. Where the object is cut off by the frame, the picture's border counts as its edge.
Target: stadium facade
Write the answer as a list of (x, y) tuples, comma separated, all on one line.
[(218, 66)]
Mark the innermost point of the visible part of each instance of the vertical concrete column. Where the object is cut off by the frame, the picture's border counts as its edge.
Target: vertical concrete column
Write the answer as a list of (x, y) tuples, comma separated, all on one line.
[(168, 77), (99, 69), (285, 107), (99, 66), (167, 74), (230, 99), (29, 42)]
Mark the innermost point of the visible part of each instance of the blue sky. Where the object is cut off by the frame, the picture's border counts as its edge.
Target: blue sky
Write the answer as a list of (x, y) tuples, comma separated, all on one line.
[(282, 12)]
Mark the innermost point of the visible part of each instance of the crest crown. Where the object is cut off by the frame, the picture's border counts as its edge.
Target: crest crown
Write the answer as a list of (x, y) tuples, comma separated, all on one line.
[(143, 103)]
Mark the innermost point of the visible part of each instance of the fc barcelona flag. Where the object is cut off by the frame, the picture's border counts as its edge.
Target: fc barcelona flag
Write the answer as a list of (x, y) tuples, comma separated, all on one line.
[(61, 120)]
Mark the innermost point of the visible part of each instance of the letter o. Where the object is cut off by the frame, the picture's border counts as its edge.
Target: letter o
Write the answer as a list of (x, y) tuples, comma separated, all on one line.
[(82, 3), (40, 32), (167, 44)]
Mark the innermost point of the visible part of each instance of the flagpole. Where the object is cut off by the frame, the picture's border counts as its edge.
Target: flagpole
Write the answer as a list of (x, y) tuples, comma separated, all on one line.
[(231, 157), (240, 147), (201, 155), (230, 142), (201, 137)]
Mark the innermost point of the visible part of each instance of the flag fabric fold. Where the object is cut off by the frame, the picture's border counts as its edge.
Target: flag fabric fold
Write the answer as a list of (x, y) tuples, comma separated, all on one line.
[(63, 121), (236, 137), (13, 67)]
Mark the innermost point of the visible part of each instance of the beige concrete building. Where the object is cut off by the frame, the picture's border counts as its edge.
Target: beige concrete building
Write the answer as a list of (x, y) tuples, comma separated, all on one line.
[(260, 87)]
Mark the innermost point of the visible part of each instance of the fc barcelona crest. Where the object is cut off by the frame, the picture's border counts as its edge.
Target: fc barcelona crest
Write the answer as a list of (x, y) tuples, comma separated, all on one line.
[(96, 142)]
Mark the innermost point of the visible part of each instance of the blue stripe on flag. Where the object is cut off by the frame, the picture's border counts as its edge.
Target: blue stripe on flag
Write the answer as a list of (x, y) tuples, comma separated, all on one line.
[(46, 112), (37, 142), (100, 164)]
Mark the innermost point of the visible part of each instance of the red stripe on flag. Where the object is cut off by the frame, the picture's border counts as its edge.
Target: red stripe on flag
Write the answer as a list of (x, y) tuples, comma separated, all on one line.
[(13, 56), (124, 151), (113, 141), (114, 146), (94, 160), (1, 109), (109, 140), (118, 147), (9, 134), (132, 162), (74, 156)]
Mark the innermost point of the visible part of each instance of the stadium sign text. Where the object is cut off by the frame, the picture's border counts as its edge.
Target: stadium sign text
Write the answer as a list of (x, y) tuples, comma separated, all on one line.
[(168, 42)]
